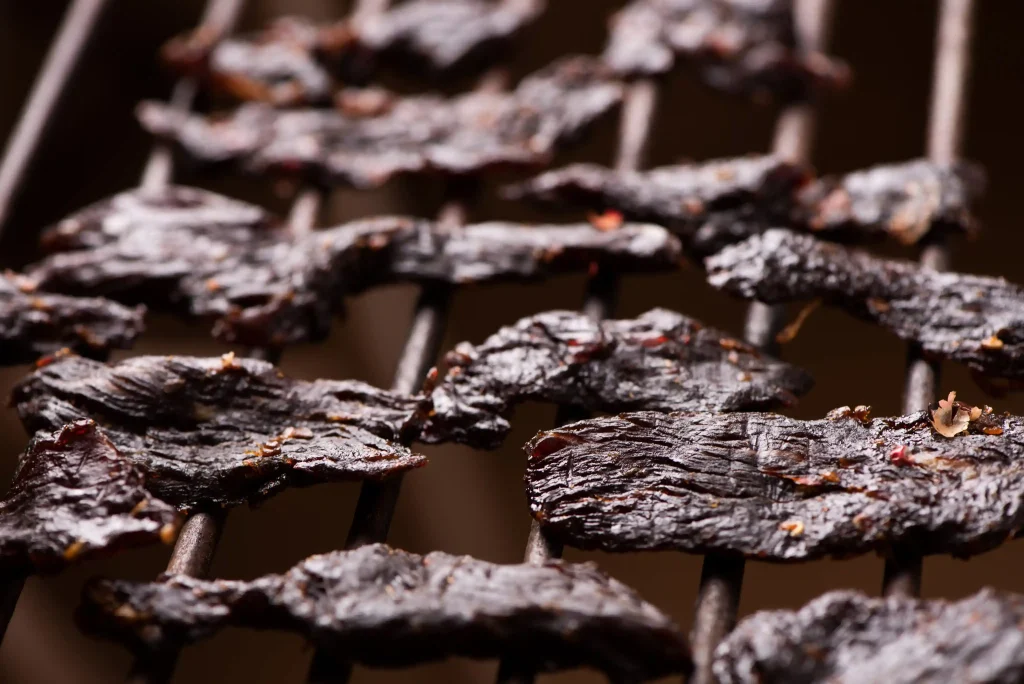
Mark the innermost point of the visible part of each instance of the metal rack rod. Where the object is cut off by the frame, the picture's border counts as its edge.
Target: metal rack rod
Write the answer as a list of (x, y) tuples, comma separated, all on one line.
[(721, 579), (598, 304), (947, 116), (60, 63)]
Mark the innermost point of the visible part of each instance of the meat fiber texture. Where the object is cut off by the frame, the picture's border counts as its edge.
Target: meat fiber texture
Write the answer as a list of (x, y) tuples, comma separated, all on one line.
[(845, 637), (294, 61), (769, 487), (372, 136), (383, 607), (737, 46), (659, 361), (209, 256), (224, 431), (34, 324), (974, 320), (715, 203), (74, 497)]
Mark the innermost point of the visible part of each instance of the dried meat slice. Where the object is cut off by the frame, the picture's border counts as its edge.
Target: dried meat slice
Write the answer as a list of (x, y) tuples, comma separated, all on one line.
[(903, 201), (291, 62), (744, 46), (384, 607), (74, 497), (373, 135), (211, 257), (708, 205), (224, 431), (445, 33), (845, 637), (975, 320), (660, 361), (294, 61), (33, 324), (780, 489), (719, 202)]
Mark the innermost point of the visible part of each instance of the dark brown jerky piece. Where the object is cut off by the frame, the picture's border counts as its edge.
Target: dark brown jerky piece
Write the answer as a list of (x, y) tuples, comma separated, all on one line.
[(33, 324), (660, 361), (904, 201), (744, 46), (290, 62), (294, 61), (976, 320), (74, 497), (775, 488), (375, 135), (383, 607), (709, 204), (213, 257), (845, 637), (445, 33), (225, 430)]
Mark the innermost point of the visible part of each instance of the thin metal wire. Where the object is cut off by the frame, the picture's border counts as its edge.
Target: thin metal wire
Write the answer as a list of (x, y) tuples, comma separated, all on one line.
[(721, 579), (60, 63), (947, 116), (598, 304)]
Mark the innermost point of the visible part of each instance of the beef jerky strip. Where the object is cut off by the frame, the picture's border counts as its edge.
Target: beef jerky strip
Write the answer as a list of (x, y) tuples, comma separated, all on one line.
[(660, 361), (709, 205), (73, 497), (975, 320), (267, 288), (904, 201), (33, 324), (290, 62), (845, 637), (744, 46), (374, 135), (383, 607), (225, 430), (294, 61), (780, 489), (445, 33)]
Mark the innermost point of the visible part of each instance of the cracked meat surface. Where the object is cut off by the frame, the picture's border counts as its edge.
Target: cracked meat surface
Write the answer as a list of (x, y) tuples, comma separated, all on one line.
[(775, 488), (659, 361), (975, 320), (845, 637), (385, 607)]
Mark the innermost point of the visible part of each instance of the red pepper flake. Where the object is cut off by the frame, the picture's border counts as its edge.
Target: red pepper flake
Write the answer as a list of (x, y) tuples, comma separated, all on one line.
[(608, 221), (900, 456), (654, 341), (992, 343)]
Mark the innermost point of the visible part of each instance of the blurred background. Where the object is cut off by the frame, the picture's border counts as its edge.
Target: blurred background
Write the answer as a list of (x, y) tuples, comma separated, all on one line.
[(473, 502)]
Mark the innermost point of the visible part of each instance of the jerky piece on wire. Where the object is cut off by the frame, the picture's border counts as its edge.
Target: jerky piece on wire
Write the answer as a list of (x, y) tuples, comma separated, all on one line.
[(975, 320), (290, 62), (845, 637), (708, 204), (445, 34), (740, 46), (374, 135), (383, 607), (225, 431), (33, 324), (74, 496), (294, 61), (660, 361), (903, 201), (780, 489), (224, 260)]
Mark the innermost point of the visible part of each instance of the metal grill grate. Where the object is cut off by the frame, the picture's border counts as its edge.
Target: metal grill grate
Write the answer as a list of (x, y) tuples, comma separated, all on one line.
[(721, 578)]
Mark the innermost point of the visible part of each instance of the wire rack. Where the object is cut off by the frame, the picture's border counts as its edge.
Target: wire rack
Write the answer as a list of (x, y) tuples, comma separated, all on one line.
[(721, 577)]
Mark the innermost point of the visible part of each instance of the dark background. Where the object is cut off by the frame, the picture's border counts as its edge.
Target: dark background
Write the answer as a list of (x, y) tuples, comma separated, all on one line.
[(471, 502)]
